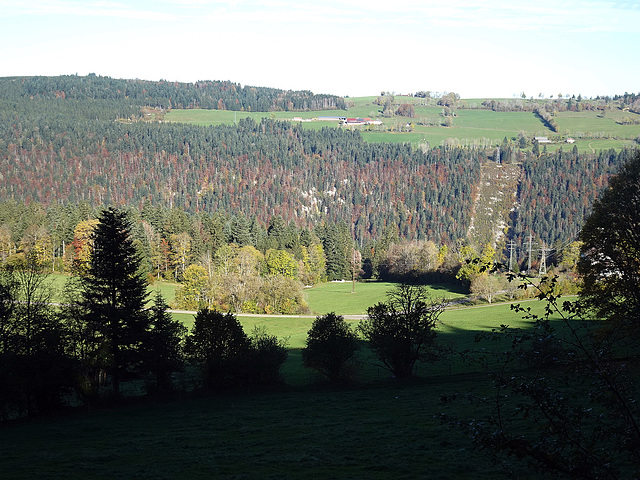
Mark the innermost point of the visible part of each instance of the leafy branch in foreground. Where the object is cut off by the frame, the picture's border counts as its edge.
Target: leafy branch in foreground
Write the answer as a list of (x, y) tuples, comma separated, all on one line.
[(564, 395)]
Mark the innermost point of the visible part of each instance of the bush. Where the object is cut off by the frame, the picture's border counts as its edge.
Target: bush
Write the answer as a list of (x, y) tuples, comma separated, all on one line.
[(267, 356), (331, 344), (219, 347)]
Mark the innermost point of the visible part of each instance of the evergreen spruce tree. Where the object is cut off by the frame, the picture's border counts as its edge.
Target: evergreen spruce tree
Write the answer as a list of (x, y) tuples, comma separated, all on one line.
[(239, 231), (164, 347), (276, 233), (114, 296)]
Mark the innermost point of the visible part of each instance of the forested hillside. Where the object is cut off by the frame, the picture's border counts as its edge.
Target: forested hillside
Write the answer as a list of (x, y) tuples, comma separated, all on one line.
[(69, 140), (557, 190), (220, 95)]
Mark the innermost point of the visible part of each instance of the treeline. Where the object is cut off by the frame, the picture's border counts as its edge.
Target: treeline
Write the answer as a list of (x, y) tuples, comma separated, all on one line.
[(561, 103), (228, 262), (547, 119), (212, 95), (572, 104), (232, 263)]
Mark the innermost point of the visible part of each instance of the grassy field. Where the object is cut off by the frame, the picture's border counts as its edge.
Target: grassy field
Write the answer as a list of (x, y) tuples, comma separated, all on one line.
[(471, 125), (387, 431), (338, 297), (457, 329), (374, 428), (323, 298)]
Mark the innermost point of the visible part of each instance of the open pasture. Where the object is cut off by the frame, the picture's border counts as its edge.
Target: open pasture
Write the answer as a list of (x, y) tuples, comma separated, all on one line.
[(338, 297), (376, 428), (590, 122), (470, 125), (390, 430)]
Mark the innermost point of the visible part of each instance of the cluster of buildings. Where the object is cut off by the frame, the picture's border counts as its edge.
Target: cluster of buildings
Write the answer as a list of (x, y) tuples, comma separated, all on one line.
[(546, 140), (350, 121)]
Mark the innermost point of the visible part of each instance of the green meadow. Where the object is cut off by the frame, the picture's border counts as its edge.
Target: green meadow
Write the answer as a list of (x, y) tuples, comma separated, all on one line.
[(375, 427), (348, 299), (387, 430), (457, 328), (471, 126)]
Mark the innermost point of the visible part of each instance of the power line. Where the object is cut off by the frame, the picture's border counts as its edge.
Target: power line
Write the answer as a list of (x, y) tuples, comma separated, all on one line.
[(512, 245), (543, 260), (530, 244)]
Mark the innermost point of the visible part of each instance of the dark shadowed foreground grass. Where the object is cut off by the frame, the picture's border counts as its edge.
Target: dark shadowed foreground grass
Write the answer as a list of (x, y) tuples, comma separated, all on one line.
[(376, 428), (387, 431)]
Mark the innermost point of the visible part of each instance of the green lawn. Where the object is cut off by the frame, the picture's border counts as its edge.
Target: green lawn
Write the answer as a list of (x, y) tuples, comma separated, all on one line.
[(338, 297), (377, 429)]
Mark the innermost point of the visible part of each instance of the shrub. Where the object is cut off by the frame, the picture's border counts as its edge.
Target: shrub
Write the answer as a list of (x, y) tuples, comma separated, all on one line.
[(268, 354), (219, 347), (331, 344)]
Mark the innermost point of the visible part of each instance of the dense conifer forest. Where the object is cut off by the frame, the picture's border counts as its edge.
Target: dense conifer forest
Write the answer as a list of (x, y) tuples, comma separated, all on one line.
[(71, 144)]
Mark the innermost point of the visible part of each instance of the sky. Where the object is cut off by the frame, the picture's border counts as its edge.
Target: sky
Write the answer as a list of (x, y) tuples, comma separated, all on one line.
[(344, 47)]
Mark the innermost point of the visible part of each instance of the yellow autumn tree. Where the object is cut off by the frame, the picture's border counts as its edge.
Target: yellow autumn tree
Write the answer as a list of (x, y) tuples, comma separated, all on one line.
[(82, 246), (37, 242), (192, 294)]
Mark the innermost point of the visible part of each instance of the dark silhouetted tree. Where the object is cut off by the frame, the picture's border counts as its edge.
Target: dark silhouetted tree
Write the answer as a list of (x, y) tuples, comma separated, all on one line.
[(164, 344), (330, 345), (610, 260), (219, 347), (401, 330), (114, 294), (34, 369), (267, 355)]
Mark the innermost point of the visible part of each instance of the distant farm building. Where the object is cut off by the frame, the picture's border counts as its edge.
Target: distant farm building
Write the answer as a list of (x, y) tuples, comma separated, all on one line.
[(351, 122), (328, 118), (356, 121), (542, 139)]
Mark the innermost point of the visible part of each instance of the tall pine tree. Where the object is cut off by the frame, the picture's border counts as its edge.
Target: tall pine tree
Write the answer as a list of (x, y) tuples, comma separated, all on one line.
[(114, 296)]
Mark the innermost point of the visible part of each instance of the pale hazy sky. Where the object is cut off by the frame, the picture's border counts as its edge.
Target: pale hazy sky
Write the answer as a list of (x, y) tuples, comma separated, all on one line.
[(344, 47)]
